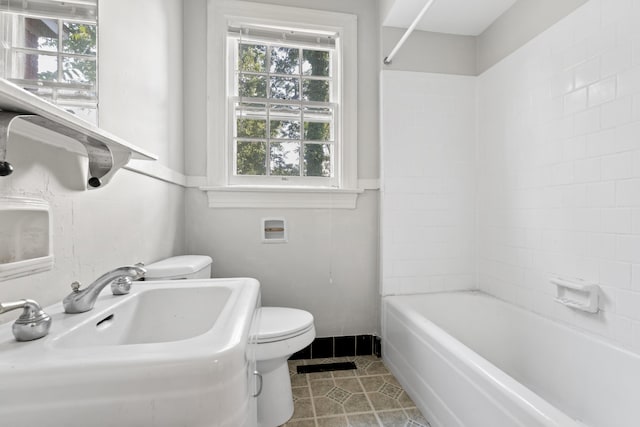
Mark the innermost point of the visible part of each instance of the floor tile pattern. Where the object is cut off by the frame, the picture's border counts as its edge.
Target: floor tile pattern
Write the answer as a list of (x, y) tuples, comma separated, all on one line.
[(368, 396)]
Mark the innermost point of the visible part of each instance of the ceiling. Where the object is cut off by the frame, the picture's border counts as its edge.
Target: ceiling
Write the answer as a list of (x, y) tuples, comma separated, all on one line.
[(465, 17)]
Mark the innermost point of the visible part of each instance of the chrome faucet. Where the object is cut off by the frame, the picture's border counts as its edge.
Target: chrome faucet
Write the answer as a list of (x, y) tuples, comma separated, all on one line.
[(32, 324), (81, 300)]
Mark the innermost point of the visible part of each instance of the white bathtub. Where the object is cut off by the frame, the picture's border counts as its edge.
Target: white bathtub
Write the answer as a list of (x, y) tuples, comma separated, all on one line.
[(468, 359)]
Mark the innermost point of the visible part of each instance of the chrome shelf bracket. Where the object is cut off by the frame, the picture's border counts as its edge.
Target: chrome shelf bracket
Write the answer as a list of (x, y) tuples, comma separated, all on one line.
[(103, 162), (6, 117)]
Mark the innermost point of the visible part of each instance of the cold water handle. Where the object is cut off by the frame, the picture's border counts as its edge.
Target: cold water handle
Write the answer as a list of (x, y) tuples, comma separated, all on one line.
[(32, 324)]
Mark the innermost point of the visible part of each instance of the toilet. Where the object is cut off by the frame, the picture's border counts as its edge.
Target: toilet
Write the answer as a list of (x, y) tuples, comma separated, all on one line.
[(281, 332)]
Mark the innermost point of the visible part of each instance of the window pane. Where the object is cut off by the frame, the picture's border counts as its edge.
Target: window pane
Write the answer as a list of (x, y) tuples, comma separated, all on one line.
[(77, 97), (76, 70), (41, 34), (79, 38), (285, 159), (315, 63), (317, 160), (285, 88), (318, 113), (317, 131), (315, 90), (252, 86), (251, 109), (251, 158), (285, 60), (285, 111), (252, 57), (285, 129), (251, 128), (35, 67)]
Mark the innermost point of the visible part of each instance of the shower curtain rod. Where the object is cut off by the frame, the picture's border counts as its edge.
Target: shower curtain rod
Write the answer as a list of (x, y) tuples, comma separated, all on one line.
[(407, 33)]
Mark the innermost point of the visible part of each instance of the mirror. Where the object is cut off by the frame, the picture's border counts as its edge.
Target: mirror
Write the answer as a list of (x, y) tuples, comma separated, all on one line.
[(49, 48)]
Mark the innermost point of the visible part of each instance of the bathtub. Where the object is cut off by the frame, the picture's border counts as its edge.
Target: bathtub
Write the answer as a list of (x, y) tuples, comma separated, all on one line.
[(469, 359)]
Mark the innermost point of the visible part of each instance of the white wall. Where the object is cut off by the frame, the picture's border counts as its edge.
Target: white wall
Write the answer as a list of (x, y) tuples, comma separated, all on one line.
[(134, 218), (559, 179), (328, 266), (430, 52), (141, 75), (519, 24), (428, 182), (323, 244)]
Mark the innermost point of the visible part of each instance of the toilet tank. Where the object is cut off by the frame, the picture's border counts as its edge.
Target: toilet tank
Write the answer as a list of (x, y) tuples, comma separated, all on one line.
[(180, 267)]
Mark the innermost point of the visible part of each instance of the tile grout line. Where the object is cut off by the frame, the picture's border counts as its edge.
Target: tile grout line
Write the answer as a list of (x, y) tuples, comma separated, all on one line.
[(366, 395), (313, 403)]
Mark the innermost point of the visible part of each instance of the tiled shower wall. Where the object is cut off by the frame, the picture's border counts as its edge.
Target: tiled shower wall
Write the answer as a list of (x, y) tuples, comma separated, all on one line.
[(559, 168), (428, 182)]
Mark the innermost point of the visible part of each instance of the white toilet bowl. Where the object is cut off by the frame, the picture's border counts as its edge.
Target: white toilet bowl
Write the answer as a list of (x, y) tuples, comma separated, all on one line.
[(281, 332)]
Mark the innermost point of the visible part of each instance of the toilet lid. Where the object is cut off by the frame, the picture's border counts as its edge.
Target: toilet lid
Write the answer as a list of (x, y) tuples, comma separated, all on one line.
[(177, 266), (280, 323)]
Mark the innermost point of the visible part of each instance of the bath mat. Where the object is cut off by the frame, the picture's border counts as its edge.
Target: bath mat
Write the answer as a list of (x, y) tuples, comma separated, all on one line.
[(326, 367)]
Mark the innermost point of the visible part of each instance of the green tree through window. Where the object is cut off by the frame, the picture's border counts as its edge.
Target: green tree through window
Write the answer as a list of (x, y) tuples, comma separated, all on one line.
[(284, 117)]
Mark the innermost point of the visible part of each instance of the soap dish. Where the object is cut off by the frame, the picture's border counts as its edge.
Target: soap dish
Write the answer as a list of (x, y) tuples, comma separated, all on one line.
[(25, 236)]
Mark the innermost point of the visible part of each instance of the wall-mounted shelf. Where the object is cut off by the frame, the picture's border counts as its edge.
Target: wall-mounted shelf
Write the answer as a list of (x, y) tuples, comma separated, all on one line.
[(24, 112)]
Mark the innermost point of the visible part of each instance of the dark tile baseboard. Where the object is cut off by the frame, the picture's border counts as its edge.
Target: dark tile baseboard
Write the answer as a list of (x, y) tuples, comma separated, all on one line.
[(352, 345)]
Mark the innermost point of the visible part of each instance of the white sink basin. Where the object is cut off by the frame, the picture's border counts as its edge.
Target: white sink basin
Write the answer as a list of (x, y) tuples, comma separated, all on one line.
[(156, 315), (168, 354)]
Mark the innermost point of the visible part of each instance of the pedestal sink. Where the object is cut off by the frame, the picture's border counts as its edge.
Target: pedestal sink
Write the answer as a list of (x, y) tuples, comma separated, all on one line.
[(168, 354)]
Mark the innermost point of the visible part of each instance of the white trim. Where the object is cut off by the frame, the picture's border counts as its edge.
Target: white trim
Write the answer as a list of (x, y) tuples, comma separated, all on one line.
[(158, 171), (369, 184), (217, 77), (280, 197), (196, 181)]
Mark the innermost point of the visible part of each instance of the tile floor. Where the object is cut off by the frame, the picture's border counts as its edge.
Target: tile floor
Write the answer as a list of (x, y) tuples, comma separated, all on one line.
[(366, 397)]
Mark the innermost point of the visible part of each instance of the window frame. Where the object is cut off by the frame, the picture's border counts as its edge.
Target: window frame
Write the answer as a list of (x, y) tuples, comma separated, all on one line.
[(225, 192)]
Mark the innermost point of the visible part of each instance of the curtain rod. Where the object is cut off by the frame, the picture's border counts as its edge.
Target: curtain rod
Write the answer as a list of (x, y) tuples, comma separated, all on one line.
[(387, 60)]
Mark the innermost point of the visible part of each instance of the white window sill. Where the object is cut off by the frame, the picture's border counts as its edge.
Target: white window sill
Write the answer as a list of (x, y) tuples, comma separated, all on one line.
[(282, 197)]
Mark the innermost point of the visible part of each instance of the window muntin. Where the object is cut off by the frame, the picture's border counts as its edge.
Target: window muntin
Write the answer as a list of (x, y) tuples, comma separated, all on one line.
[(53, 54), (283, 112)]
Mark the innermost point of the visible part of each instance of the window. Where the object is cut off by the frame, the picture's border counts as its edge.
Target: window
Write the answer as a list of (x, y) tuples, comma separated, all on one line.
[(51, 51), (283, 101), (283, 120)]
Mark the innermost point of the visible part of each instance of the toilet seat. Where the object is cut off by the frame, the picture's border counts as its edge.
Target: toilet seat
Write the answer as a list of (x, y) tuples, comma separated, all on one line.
[(281, 323)]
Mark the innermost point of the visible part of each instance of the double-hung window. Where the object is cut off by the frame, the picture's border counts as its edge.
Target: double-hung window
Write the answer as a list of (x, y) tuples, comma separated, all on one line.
[(282, 111), (284, 94)]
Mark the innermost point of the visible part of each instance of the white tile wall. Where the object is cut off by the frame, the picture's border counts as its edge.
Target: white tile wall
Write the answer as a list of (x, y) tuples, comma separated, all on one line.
[(559, 168), (428, 182)]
